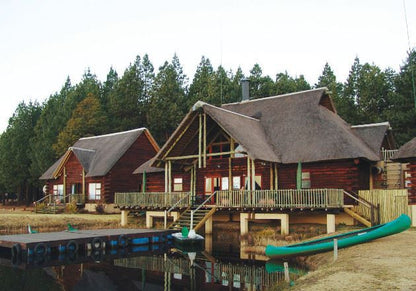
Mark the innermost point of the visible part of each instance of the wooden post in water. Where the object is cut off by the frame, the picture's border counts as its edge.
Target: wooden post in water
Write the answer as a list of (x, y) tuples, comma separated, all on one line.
[(335, 249), (286, 268)]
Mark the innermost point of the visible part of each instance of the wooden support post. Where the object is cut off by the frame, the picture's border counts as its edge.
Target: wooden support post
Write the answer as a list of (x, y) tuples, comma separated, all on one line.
[(232, 148), (330, 223), (335, 249), (64, 182), (243, 223), (271, 177), (253, 175), (276, 176), (413, 213), (124, 214), (200, 142), (230, 175), (83, 183), (248, 182), (286, 270), (170, 176), (208, 226), (166, 177), (205, 141)]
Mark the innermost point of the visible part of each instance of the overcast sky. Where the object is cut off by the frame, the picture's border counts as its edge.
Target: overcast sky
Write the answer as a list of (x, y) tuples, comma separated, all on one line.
[(43, 42)]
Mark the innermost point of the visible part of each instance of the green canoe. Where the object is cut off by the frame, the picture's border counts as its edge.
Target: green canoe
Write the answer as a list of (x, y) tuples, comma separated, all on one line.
[(344, 240)]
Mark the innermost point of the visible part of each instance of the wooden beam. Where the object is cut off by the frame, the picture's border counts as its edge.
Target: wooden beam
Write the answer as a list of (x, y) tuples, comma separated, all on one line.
[(253, 175), (166, 177), (230, 175), (276, 177), (199, 142), (248, 174), (64, 182), (170, 175), (83, 183), (205, 141), (196, 156), (179, 137)]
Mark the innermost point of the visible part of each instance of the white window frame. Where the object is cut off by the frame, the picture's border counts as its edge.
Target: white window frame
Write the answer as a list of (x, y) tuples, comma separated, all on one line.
[(58, 189), (94, 191), (178, 184)]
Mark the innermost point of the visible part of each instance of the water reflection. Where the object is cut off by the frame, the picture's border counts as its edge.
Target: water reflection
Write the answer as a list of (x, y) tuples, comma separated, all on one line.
[(152, 267)]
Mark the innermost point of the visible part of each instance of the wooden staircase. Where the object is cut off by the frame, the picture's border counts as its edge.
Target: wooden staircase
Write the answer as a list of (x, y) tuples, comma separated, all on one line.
[(374, 218), (199, 218), (357, 217)]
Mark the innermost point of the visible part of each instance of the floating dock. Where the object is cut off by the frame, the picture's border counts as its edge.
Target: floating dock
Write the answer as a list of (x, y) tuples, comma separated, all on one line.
[(42, 244)]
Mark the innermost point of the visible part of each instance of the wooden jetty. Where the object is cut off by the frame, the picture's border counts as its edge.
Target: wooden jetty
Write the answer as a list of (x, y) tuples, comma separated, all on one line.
[(40, 244)]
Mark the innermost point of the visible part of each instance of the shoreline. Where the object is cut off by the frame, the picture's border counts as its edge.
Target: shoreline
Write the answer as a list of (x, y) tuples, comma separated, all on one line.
[(383, 264)]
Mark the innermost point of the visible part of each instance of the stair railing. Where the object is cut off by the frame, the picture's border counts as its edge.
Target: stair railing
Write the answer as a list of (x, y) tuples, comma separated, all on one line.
[(374, 210), (199, 207), (52, 201), (173, 207)]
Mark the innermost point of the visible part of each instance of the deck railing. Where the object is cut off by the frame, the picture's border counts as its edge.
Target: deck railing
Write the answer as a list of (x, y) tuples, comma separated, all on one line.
[(285, 198), (388, 154), (152, 199)]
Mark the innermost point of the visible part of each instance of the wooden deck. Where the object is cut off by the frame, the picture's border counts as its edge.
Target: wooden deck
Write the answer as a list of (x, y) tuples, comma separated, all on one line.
[(45, 243), (238, 199)]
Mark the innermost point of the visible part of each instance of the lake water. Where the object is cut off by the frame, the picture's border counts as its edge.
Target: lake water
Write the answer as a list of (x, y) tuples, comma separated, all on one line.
[(219, 265)]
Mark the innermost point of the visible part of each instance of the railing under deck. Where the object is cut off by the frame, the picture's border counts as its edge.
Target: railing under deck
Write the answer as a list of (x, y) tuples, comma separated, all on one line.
[(152, 199), (285, 198)]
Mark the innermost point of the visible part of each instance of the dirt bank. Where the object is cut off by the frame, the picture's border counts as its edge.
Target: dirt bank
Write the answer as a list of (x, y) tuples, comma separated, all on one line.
[(385, 264)]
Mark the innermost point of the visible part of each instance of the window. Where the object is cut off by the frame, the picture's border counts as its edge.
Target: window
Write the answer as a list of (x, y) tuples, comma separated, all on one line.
[(58, 190), (94, 191), (236, 183), (306, 180), (224, 183), (177, 184), (76, 188)]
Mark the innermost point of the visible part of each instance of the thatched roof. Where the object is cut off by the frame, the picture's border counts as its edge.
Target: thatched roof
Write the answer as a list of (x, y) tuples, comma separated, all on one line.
[(247, 131), (376, 135), (147, 167), (290, 128), (407, 152), (98, 154), (304, 127)]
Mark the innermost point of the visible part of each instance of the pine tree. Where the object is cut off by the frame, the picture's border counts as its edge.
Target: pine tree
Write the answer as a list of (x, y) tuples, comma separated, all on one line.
[(87, 120), (167, 100)]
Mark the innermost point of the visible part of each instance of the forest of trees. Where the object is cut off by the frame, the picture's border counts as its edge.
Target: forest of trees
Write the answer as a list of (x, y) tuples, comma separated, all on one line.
[(38, 134)]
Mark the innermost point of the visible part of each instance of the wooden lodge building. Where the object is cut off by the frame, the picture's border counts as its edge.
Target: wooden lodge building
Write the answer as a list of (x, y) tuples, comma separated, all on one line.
[(283, 157), (94, 168), (407, 154)]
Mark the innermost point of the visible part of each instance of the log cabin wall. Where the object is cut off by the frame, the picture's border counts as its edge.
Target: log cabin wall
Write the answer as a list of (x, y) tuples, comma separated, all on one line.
[(347, 174), (412, 178), (121, 177), (219, 167), (73, 170)]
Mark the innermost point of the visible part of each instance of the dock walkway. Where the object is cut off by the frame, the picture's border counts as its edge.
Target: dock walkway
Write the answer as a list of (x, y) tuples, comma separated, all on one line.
[(65, 241)]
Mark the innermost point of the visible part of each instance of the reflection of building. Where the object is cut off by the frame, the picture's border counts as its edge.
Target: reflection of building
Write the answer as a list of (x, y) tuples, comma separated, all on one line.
[(205, 273)]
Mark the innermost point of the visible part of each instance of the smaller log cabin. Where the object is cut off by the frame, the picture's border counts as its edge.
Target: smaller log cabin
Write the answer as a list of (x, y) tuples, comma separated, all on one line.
[(407, 154), (96, 167)]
